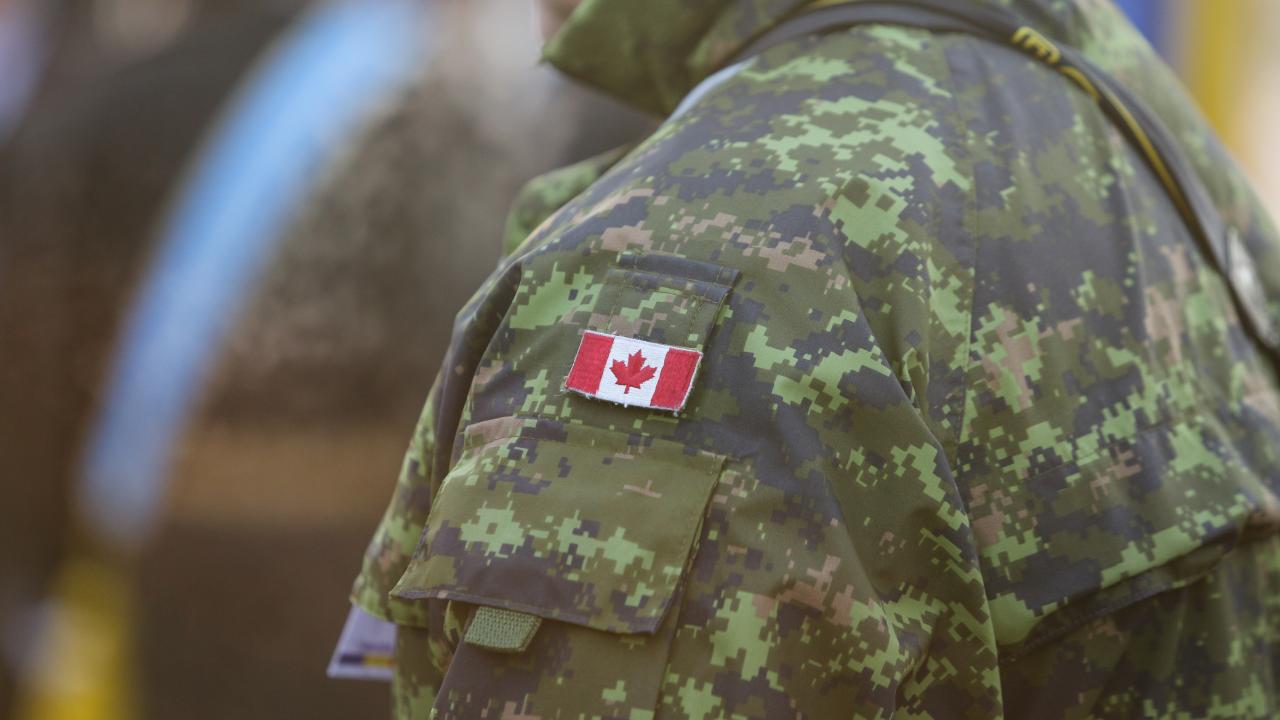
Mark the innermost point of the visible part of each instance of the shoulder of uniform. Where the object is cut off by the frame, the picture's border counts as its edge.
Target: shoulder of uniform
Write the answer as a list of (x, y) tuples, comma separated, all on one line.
[(543, 195)]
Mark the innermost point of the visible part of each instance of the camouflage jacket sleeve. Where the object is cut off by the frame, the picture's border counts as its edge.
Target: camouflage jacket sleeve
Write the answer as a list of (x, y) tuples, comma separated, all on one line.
[(793, 538), (937, 424)]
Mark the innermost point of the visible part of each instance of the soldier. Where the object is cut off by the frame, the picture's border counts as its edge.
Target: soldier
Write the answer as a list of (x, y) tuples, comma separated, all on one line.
[(892, 376)]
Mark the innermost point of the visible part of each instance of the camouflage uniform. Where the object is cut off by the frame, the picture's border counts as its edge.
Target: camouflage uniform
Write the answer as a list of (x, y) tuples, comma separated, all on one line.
[(977, 432)]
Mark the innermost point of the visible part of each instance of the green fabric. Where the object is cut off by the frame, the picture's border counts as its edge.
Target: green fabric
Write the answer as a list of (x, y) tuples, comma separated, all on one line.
[(485, 537), (502, 630), (651, 53), (635, 51), (976, 433)]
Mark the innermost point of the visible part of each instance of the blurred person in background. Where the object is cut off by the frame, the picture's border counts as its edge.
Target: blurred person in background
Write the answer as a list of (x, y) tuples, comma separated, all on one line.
[(83, 180), (24, 35), (308, 390), (985, 420), (328, 361)]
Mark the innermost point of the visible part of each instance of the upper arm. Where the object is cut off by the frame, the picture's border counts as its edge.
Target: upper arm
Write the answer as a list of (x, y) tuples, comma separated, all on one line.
[(794, 536)]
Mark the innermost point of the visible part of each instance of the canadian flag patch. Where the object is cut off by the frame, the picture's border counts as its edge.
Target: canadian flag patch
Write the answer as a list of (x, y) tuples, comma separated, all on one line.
[(633, 372)]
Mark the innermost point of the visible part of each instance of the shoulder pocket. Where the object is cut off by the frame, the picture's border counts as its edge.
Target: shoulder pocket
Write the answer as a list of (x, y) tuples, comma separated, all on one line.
[(663, 298), (573, 524), (1136, 518)]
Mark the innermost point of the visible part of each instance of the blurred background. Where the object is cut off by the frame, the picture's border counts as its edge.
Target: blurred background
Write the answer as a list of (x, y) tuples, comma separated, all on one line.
[(233, 235)]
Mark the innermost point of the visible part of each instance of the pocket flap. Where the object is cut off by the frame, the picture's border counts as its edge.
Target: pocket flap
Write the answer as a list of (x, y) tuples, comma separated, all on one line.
[(567, 523), (663, 298), (1139, 517)]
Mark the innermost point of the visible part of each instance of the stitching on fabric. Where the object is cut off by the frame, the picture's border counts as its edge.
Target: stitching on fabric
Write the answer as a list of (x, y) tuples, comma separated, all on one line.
[(661, 278), (697, 302), (713, 469), (1173, 421), (691, 315), (1035, 642), (975, 222)]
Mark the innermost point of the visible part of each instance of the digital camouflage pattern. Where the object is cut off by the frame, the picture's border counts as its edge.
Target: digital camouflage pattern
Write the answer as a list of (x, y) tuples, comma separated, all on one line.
[(977, 432)]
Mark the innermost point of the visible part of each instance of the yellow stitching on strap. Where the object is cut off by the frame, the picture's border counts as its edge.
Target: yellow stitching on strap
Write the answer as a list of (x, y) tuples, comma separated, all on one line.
[(1030, 40), (1153, 156), (1079, 78)]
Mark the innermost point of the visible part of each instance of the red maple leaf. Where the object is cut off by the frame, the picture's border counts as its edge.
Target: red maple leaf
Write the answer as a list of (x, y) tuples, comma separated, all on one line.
[(633, 373)]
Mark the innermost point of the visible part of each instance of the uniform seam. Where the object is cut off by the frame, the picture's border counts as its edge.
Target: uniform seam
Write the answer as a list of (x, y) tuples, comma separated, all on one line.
[(690, 525), (961, 392), (974, 218), (633, 276), (574, 618), (1188, 419), (518, 431), (843, 240), (729, 459), (950, 440)]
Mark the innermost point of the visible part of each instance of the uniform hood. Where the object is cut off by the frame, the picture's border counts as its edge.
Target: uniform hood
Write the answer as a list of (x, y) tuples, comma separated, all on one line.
[(650, 53)]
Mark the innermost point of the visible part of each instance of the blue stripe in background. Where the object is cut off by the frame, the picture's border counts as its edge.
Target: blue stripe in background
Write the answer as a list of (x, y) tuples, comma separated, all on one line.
[(318, 86), (1153, 18)]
